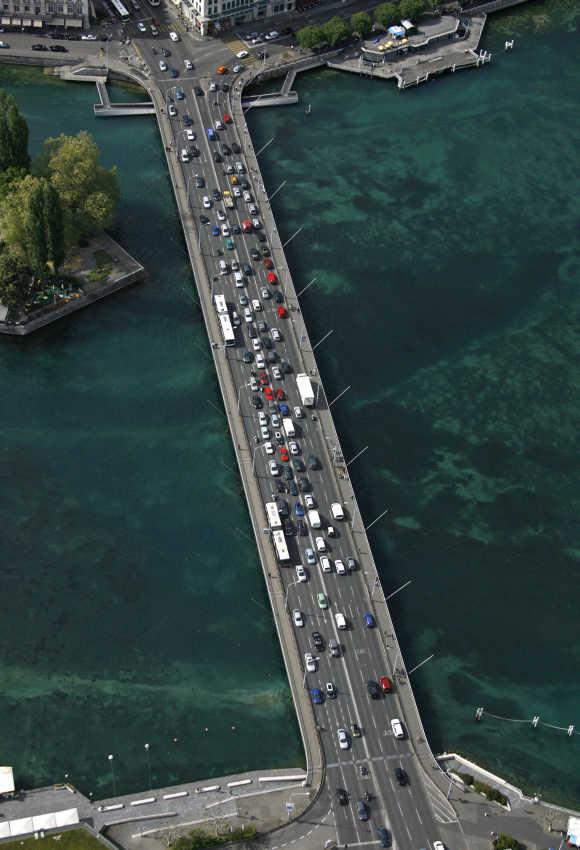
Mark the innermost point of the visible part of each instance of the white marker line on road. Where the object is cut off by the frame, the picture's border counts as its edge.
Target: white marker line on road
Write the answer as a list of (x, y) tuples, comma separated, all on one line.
[(419, 817)]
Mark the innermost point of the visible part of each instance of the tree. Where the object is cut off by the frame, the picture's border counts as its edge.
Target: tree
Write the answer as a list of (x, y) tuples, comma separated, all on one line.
[(361, 23), (35, 241), (15, 281), (335, 30), (412, 8), (54, 224), (386, 14), (31, 219), (87, 191), (309, 37), (13, 135)]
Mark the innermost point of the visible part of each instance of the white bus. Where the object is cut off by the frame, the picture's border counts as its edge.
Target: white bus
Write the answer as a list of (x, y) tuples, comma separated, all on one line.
[(274, 520), (220, 303), (121, 11), (282, 552), (226, 329)]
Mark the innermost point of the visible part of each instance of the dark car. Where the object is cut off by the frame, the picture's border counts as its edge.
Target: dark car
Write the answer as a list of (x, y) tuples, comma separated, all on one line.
[(362, 810), (262, 54), (187, 122), (302, 530), (39, 47), (282, 506), (247, 356), (236, 148), (383, 836), (246, 268), (216, 195), (165, 51), (401, 776), (58, 48), (244, 184), (373, 689), (299, 465), (280, 486), (289, 528), (204, 219), (257, 401), (288, 474), (262, 327), (199, 181), (267, 342), (313, 462), (262, 237), (292, 488), (342, 796), (254, 254), (217, 156), (226, 150), (265, 251), (198, 90), (278, 297), (285, 367), (318, 641), (174, 73), (304, 485)]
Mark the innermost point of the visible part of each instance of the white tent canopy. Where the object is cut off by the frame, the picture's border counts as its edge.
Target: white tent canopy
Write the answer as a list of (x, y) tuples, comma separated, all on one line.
[(6, 776)]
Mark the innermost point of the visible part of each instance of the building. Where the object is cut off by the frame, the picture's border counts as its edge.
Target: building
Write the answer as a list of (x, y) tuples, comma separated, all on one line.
[(36, 15), (210, 17)]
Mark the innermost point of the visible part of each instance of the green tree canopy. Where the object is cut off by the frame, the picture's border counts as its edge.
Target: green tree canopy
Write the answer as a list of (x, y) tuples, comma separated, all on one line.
[(32, 223), (13, 135), (386, 14), (309, 37), (87, 191), (412, 8), (361, 23), (336, 29), (15, 281)]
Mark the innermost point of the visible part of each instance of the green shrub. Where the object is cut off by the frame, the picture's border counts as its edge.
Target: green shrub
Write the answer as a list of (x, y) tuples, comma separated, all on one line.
[(507, 842), (466, 778)]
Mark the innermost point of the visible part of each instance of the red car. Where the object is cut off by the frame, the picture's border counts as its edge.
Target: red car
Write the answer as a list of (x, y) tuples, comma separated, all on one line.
[(268, 263), (246, 225), (268, 393), (227, 118), (263, 378), (280, 395), (386, 684), (272, 277), (281, 312), (284, 453)]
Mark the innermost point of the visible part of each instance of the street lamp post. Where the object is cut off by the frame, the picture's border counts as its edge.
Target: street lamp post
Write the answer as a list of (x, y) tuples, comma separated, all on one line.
[(147, 748), (111, 758)]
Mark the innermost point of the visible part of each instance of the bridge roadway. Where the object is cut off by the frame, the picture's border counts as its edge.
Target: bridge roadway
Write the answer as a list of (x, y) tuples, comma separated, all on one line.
[(414, 815)]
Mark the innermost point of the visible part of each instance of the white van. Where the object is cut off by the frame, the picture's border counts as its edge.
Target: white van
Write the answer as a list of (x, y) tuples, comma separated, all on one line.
[(340, 621), (173, 36), (239, 278), (325, 564), (337, 510), (320, 544), (288, 426), (223, 267), (397, 728), (185, 155), (240, 167), (314, 519)]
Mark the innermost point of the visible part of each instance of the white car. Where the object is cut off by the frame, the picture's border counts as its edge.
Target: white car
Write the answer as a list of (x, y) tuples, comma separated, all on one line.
[(298, 412), (256, 305), (172, 114), (309, 501), (320, 544), (256, 344), (236, 322), (275, 334), (340, 568), (219, 125), (275, 420), (225, 230), (256, 223), (254, 386), (276, 373), (325, 564), (265, 432), (212, 86), (162, 65), (190, 135), (141, 26), (310, 557), (260, 362), (343, 739), (438, 845), (310, 662), (298, 618), (269, 448), (274, 468), (294, 447), (265, 293), (188, 64), (262, 418), (273, 34), (237, 191), (237, 68), (88, 37), (206, 202), (221, 215), (247, 197), (330, 690), (301, 573), (235, 266), (242, 54), (173, 36), (397, 728)]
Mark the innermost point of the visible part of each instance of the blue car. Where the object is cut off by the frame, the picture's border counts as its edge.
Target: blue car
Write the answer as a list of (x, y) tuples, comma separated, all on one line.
[(174, 73), (187, 122), (179, 95), (369, 620), (284, 409), (316, 695), (299, 509), (215, 231)]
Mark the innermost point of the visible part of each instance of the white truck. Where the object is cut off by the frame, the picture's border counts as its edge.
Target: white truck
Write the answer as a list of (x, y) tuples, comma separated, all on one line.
[(288, 426), (314, 519), (305, 389)]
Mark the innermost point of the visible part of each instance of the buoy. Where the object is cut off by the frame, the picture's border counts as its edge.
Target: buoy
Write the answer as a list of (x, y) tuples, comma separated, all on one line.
[(509, 44)]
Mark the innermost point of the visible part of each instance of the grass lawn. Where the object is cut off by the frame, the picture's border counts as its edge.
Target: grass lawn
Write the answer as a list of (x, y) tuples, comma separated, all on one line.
[(73, 839)]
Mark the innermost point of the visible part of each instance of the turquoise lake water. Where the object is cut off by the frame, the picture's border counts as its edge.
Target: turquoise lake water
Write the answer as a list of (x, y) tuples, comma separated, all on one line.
[(442, 226)]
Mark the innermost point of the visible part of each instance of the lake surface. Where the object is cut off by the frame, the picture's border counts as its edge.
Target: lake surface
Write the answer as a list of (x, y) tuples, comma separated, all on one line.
[(441, 225)]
